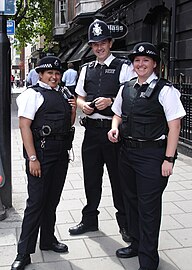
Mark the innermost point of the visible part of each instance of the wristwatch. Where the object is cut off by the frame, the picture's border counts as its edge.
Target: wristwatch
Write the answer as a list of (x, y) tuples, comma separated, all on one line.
[(32, 158), (169, 159)]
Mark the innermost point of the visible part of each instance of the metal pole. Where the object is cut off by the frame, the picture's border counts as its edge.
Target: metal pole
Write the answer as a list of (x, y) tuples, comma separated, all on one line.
[(5, 112)]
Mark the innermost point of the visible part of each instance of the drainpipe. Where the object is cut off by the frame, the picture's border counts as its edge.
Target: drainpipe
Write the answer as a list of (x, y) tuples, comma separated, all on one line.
[(173, 43)]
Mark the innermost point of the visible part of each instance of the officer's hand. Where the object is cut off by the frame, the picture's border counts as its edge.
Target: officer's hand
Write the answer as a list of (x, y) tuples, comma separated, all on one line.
[(167, 168), (73, 103), (87, 109), (113, 135), (35, 168), (101, 103)]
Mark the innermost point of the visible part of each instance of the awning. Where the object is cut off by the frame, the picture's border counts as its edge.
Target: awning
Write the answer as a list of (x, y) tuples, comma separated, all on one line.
[(68, 53), (80, 52)]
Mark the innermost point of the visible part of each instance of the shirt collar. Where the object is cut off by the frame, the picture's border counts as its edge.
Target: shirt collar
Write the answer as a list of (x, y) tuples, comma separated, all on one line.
[(46, 86), (152, 77), (107, 61)]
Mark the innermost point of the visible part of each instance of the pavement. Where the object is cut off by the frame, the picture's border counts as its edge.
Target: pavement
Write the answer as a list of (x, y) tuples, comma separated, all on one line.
[(96, 250)]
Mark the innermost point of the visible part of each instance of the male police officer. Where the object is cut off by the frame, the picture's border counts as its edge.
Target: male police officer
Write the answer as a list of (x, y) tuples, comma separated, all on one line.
[(97, 88)]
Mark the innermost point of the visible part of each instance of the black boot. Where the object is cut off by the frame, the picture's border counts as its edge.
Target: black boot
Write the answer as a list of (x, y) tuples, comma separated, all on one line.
[(21, 261)]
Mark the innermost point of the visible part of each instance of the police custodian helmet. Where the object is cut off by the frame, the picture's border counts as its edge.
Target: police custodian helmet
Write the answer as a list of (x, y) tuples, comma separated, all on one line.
[(145, 49), (49, 62), (98, 31)]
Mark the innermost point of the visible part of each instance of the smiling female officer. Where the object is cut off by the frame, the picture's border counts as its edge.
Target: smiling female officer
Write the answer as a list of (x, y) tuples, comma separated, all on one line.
[(148, 112), (45, 120)]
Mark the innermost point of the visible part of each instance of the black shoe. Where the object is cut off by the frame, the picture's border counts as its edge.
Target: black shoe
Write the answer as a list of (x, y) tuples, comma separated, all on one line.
[(125, 235), (21, 261), (57, 247), (127, 252), (82, 228)]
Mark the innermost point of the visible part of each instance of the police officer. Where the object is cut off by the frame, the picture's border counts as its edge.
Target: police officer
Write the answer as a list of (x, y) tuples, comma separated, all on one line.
[(97, 87), (148, 112), (45, 120)]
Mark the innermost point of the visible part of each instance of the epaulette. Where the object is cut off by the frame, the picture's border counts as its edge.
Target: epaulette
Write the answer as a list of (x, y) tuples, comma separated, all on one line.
[(89, 64), (124, 61), (130, 82), (164, 82)]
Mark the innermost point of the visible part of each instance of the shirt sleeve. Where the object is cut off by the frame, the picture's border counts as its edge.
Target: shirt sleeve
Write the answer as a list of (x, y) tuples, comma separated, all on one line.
[(127, 73), (116, 107), (169, 98), (80, 83), (28, 103)]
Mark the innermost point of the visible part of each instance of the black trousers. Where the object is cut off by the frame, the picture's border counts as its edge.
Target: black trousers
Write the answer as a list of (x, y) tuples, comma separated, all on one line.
[(97, 150), (143, 185), (43, 197)]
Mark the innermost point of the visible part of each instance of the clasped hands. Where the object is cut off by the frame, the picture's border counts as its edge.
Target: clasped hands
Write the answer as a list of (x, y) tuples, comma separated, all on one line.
[(100, 103)]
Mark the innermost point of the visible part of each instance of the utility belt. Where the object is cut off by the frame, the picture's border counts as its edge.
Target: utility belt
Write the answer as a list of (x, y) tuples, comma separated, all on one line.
[(45, 133), (131, 143), (98, 123)]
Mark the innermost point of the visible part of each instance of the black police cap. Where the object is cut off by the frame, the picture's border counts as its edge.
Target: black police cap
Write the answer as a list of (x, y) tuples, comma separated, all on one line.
[(145, 49), (49, 62)]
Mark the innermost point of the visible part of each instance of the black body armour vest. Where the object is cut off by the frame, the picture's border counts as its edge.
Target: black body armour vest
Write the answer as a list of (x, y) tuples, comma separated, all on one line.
[(55, 112), (103, 81), (142, 117)]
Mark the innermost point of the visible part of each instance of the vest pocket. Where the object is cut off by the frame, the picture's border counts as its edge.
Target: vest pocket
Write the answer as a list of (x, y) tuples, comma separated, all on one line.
[(144, 127), (57, 123)]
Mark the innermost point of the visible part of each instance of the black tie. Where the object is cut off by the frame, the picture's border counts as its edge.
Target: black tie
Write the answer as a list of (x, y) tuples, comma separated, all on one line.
[(142, 87), (137, 86)]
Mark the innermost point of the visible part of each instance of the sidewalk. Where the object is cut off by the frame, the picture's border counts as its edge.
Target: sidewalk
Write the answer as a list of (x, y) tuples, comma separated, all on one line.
[(96, 250)]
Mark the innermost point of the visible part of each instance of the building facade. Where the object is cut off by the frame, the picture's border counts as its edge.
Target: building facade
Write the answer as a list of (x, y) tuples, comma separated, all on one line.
[(166, 23)]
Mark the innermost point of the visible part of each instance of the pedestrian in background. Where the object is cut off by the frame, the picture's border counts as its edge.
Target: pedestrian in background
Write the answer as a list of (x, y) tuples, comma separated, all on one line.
[(70, 78), (17, 80), (148, 112), (32, 77), (12, 80), (97, 87), (45, 120)]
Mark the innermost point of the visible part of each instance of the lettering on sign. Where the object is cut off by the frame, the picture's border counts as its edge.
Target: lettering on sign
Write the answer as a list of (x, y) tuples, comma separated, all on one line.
[(118, 30)]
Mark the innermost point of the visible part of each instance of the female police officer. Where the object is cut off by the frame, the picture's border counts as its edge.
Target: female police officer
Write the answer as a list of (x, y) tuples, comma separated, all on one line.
[(45, 119), (148, 112)]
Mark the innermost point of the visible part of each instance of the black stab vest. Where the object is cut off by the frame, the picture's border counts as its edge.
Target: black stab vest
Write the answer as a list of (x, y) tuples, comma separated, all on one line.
[(142, 118), (103, 81), (54, 112)]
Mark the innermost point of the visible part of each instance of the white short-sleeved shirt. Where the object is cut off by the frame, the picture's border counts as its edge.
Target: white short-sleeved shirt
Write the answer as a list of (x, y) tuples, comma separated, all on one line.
[(29, 101), (126, 74), (169, 98), (70, 77), (33, 77)]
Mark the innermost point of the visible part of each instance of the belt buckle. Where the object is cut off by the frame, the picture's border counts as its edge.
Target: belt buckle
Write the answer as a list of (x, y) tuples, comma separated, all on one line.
[(133, 144), (99, 123)]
